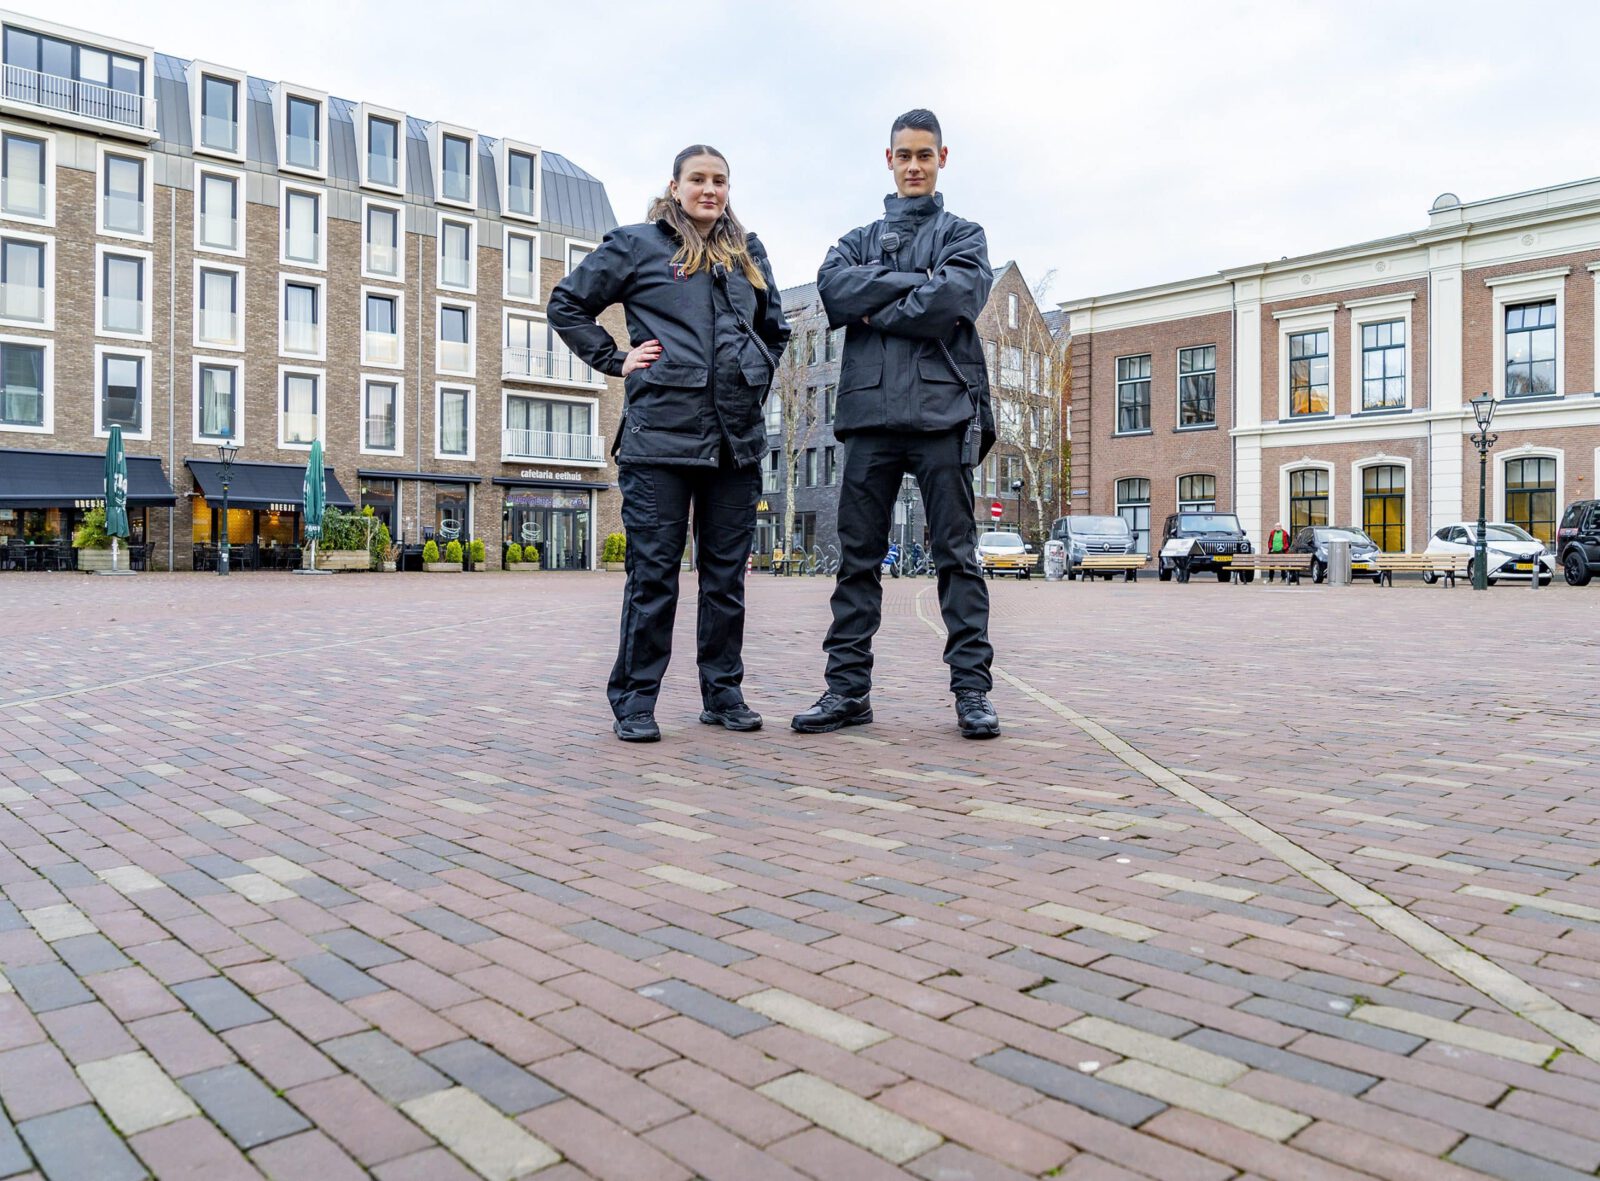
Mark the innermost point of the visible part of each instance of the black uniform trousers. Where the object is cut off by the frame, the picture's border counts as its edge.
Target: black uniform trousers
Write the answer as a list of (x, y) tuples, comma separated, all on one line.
[(657, 501), (874, 462)]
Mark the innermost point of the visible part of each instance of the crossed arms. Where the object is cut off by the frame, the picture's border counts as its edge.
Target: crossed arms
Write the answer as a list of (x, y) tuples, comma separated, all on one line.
[(907, 303)]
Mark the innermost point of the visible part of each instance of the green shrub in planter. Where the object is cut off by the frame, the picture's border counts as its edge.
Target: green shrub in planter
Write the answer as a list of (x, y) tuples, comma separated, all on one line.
[(513, 553), (382, 543), (91, 533), (616, 548), (430, 552), (477, 552), (530, 553), (452, 552)]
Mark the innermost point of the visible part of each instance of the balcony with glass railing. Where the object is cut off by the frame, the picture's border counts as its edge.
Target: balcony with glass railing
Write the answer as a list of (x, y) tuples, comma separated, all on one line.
[(547, 365), (300, 336), (22, 198), (455, 356), (21, 406), (378, 431), (455, 272), (299, 426), (380, 348), (124, 214), (219, 326), (551, 445), (382, 169), (122, 314), (521, 284), (220, 231), (219, 132), (85, 103), (22, 301), (382, 259)]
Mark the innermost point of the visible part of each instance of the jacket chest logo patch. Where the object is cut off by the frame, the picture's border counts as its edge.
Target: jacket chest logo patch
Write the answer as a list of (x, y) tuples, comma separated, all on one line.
[(679, 270)]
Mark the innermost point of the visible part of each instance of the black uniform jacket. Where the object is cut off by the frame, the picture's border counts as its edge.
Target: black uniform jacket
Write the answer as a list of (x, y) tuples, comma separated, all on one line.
[(929, 289), (720, 340)]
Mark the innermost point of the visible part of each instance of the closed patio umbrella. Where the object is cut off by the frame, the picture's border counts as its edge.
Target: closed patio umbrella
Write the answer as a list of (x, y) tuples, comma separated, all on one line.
[(314, 497), (116, 492)]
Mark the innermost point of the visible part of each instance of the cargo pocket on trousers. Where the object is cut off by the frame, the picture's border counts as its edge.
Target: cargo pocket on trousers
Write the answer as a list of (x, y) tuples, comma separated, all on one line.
[(640, 508)]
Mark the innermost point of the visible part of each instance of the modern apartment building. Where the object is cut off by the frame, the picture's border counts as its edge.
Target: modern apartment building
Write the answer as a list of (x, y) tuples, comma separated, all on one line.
[(1333, 387), (205, 257)]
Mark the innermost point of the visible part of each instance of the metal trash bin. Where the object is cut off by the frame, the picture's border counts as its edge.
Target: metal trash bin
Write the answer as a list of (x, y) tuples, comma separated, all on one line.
[(1055, 561), (1338, 562)]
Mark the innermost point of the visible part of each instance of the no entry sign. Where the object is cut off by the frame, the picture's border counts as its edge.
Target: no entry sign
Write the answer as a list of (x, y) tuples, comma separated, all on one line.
[(996, 509)]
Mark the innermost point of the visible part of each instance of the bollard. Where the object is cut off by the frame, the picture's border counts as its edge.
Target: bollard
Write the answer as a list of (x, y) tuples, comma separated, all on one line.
[(1338, 562)]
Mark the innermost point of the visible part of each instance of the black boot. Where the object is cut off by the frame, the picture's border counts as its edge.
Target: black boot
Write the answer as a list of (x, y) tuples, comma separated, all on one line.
[(737, 716), (975, 715), (832, 711), (639, 727)]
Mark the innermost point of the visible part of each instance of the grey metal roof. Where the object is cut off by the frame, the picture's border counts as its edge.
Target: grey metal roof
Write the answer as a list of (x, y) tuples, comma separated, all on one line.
[(574, 202), (1055, 320), (799, 299)]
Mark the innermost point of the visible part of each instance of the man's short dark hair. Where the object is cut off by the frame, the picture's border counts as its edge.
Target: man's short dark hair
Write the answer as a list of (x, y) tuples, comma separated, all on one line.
[(920, 119)]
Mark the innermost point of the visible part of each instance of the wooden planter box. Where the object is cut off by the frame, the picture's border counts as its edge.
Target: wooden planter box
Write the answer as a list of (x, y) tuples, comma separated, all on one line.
[(91, 561), (525, 566), (343, 559), (442, 567), (616, 567)]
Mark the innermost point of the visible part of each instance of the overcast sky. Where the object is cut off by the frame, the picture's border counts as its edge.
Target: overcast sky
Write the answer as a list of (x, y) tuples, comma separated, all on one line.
[(1117, 144)]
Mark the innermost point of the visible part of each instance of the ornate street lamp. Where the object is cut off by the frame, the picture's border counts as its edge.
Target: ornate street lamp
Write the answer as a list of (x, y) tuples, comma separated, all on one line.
[(225, 453), (1483, 411)]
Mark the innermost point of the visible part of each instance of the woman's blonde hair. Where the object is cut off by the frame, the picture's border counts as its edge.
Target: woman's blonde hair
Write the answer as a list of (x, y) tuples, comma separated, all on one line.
[(725, 243)]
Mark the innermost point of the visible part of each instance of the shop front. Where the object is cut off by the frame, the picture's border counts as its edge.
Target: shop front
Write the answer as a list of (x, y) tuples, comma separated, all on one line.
[(420, 507), (45, 494), (265, 502), (555, 515)]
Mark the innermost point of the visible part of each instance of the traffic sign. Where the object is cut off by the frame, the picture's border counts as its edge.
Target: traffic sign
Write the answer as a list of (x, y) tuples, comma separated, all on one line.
[(996, 509)]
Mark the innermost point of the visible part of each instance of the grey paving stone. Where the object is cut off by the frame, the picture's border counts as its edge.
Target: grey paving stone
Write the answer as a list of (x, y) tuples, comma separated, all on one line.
[(1072, 1086), (1509, 866), (324, 893), (855, 910), (450, 925), (358, 947), (1261, 914), (191, 883), (906, 889), (705, 1007), (1283, 1062), (1112, 1009), (389, 1069), (88, 954), (439, 845), (546, 888), (44, 987), (612, 939), (1381, 994), (1054, 969), (1331, 1024), (1283, 990), (243, 1106), (11, 918), (403, 876), (498, 1080), (1103, 849), (78, 1145), (1145, 953), (69, 875), (486, 865), (773, 924), (14, 1158), (220, 1003), (421, 859), (700, 946), (1509, 1164), (1292, 893), (943, 857), (726, 821), (753, 865), (218, 866), (615, 840), (341, 981)]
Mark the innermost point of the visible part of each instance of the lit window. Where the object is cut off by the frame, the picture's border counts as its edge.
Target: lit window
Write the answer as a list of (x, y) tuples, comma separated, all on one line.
[(1308, 498), (1383, 506), (1531, 496), (1309, 381)]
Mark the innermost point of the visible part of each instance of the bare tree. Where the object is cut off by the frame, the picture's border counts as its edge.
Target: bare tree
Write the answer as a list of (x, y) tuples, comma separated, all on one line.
[(1031, 382), (800, 415)]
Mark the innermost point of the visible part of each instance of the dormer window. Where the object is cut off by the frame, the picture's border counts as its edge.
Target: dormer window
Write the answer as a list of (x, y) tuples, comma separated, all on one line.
[(456, 162), (303, 134)]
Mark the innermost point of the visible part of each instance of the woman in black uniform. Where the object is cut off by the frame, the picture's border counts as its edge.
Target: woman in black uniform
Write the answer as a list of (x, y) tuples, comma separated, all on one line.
[(706, 328)]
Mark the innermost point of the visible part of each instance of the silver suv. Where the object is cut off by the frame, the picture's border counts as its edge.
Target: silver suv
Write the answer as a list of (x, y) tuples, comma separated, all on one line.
[(1091, 535)]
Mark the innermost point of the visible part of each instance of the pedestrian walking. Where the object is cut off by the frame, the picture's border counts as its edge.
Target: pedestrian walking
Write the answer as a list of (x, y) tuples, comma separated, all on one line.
[(913, 396), (705, 329), (1277, 543)]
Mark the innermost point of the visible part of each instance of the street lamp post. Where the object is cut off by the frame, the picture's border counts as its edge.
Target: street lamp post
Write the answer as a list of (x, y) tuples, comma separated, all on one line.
[(908, 497), (1483, 412), (1017, 486), (225, 453)]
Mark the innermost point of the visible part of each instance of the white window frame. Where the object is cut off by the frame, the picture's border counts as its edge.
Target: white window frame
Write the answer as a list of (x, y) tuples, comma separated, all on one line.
[(582, 244), (285, 371), (148, 184), (1116, 397), (281, 93), (989, 472), (49, 414), (1302, 464), (196, 75), (1529, 287), (49, 218), (100, 352), (502, 161), (1291, 323), (363, 114), (1497, 469), (1011, 309), (202, 169), (1379, 309), (321, 285), (49, 298), (206, 264), (399, 209), (471, 224), (516, 231), (439, 388), (1358, 469), (436, 134), (1177, 491), (1177, 393), (439, 304), (546, 396), (235, 363), (100, 252), (399, 297), (398, 382), (321, 194)]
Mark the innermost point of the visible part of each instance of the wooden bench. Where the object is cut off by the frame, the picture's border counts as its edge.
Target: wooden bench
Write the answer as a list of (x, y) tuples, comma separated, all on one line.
[(1446, 566), (1291, 566), (1109, 564)]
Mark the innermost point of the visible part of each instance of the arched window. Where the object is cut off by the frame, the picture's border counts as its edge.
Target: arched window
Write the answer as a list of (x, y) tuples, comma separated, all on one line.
[(1531, 495), (1383, 506), (1133, 506), (1308, 498), (1197, 494)]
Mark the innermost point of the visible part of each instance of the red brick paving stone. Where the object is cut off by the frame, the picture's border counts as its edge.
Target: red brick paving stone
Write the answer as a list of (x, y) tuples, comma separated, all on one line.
[(181, 1044), (192, 1150), (743, 1112), (130, 993), (992, 1135), (423, 984), (591, 1032), (620, 1005), (621, 1097), (1472, 1088), (312, 1013), (279, 1054), (433, 1164), (715, 1154), (1581, 1153), (972, 1083), (1325, 1105), (1089, 1168), (1242, 1150), (87, 1033), (951, 1162), (309, 1156), (18, 1027), (850, 1071), (711, 1048), (170, 961), (404, 1020), (1103, 1137), (1382, 1158), (598, 1145), (916, 997), (363, 1124), (518, 1038), (37, 1080), (824, 1156)]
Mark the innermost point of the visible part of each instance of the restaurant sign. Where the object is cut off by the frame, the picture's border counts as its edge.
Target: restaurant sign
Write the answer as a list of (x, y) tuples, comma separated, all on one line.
[(90, 502), (284, 508), (529, 473)]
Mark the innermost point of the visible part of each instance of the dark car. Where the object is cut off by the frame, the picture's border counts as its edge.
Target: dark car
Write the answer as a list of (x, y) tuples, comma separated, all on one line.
[(1220, 536), (1083, 536), (1578, 542), (1314, 541)]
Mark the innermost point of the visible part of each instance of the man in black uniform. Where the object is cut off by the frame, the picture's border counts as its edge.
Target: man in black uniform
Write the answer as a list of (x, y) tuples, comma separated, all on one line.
[(913, 397)]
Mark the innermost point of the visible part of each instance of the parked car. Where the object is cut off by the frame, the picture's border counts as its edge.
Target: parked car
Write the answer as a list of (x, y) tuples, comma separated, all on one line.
[(1220, 536), (1083, 536), (1578, 542), (1005, 553), (1513, 551), (1314, 540)]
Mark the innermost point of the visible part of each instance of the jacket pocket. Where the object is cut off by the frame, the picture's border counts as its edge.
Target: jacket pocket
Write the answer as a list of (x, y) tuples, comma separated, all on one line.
[(933, 369), (861, 375), (668, 396)]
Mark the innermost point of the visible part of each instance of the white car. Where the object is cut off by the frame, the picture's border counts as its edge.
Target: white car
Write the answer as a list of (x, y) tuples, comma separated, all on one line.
[(1005, 553), (1513, 551)]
